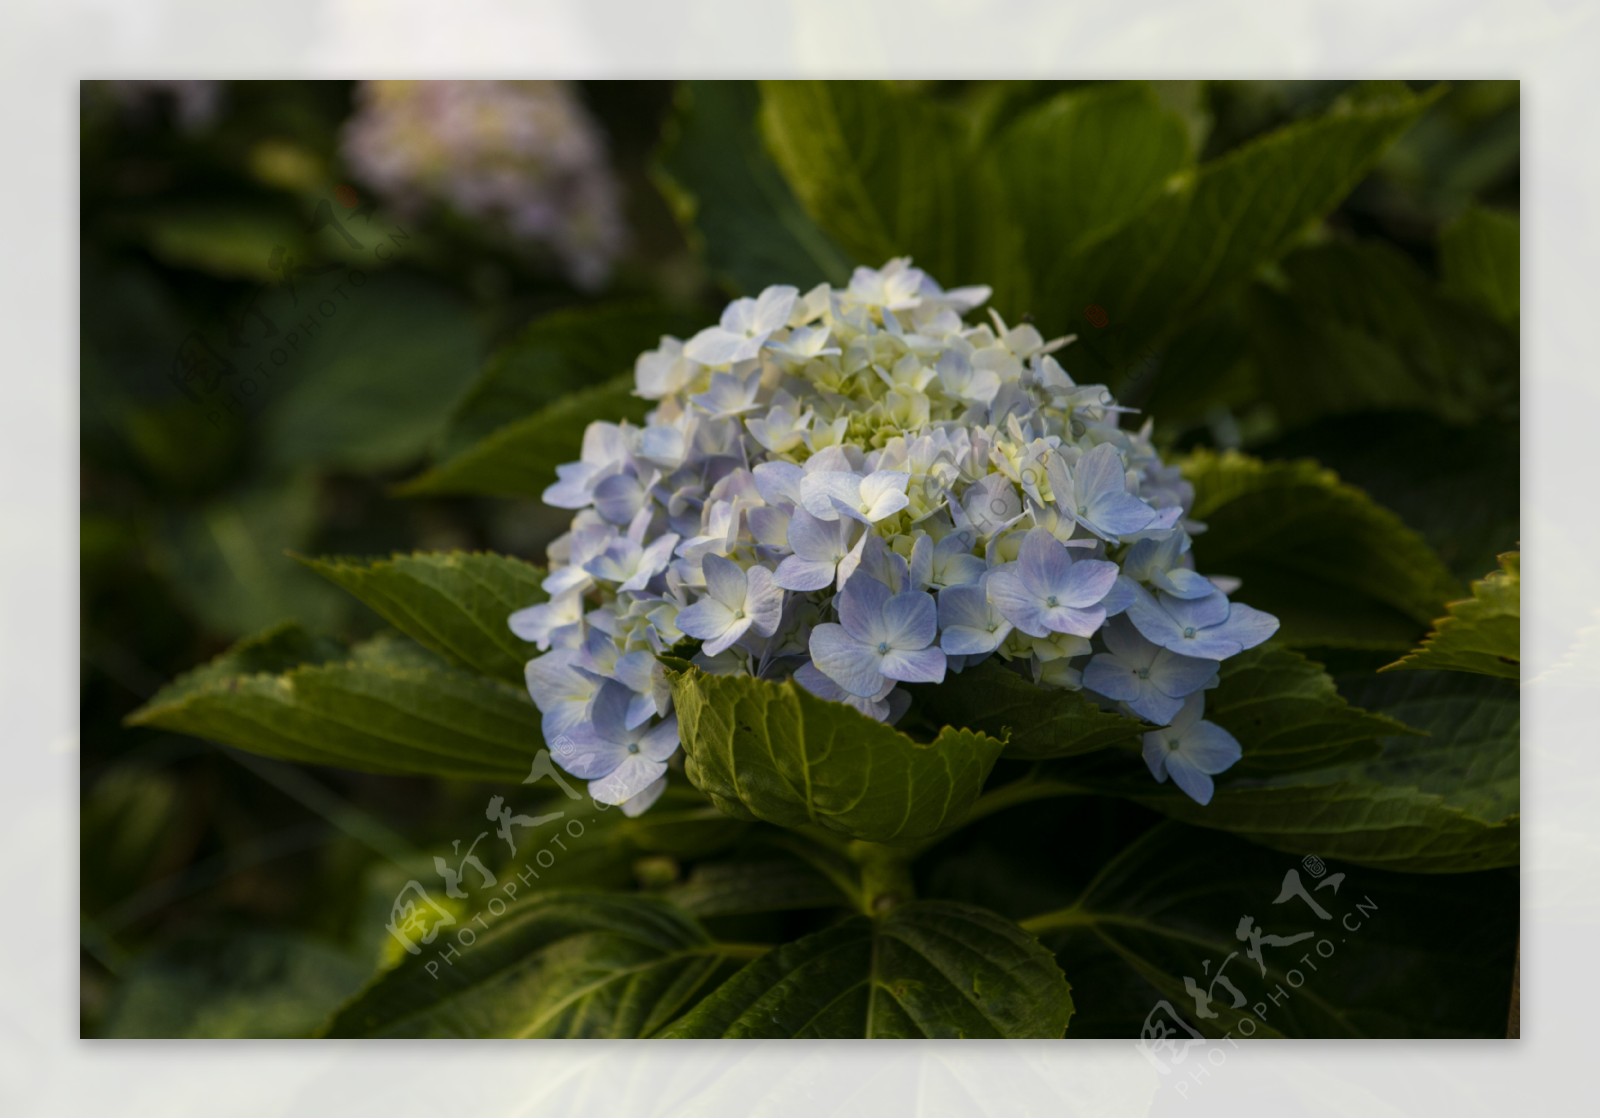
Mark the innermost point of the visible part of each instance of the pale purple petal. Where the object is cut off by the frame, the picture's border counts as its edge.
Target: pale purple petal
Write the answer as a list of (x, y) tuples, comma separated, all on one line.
[(1180, 676), (815, 539), (847, 662), (636, 774), (640, 802), (861, 605), (1127, 644), (725, 581), (773, 308), (763, 603), (796, 574), (1118, 515), (910, 620), (924, 666), (813, 680), (965, 605), (1184, 582), (1112, 678), (1016, 603), (1152, 705), (1209, 748), (717, 346), (778, 483), (824, 491), (1086, 583), (660, 742), (1151, 620), (1119, 597), (1155, 754), (1246, 626), (588, 757), (1069, 619), (1043, 562), (1197, 785), (713, 623), (1100, 471), (1196, 612)]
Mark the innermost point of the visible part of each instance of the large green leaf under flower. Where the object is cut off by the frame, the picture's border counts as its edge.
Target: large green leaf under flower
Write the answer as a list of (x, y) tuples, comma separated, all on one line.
[(773, 751), (926, 969), (1034, 721)]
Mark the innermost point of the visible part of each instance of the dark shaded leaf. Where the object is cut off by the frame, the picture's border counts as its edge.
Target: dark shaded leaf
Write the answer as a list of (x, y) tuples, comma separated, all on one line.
[(926, 969)]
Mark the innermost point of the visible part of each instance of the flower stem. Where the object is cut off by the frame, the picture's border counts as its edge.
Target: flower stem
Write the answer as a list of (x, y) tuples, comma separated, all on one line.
[(885, 876), (1055, 919), (739, 951)]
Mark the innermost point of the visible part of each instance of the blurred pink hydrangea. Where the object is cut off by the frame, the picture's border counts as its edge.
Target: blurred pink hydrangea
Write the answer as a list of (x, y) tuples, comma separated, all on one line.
[(525, 156)]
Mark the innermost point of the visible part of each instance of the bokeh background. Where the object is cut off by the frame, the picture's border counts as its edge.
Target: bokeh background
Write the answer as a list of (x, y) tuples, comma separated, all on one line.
[(287, 290)]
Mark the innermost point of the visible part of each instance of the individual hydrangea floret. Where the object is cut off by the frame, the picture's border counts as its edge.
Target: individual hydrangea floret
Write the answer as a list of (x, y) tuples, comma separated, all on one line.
[(861, 489)]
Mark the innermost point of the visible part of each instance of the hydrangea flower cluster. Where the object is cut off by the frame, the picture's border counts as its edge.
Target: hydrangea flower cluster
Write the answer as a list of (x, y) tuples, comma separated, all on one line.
[(523, 155), (860, 489)]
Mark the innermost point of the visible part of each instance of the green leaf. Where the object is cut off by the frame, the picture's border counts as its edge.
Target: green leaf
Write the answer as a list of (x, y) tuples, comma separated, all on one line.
[(1439, 804), (1033, 721), (230, 239), (1479, 254), (373, 713), (520, 459), (277, 649), (1458, 487), (927, 969), (242, 983), (1482, 633), (1335, 567), (1085, 162), (775, 752), (1288, 715), (562, 964), (767, 886), (364, 390), (1233, 215), (567, 351), (455, 603), (225, 560), (1397, 956), (731, 200), (888, 173), (1359, 327)]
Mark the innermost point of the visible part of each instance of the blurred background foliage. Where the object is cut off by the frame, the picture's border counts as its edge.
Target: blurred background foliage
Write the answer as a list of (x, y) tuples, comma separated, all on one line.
[(225, 894)]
